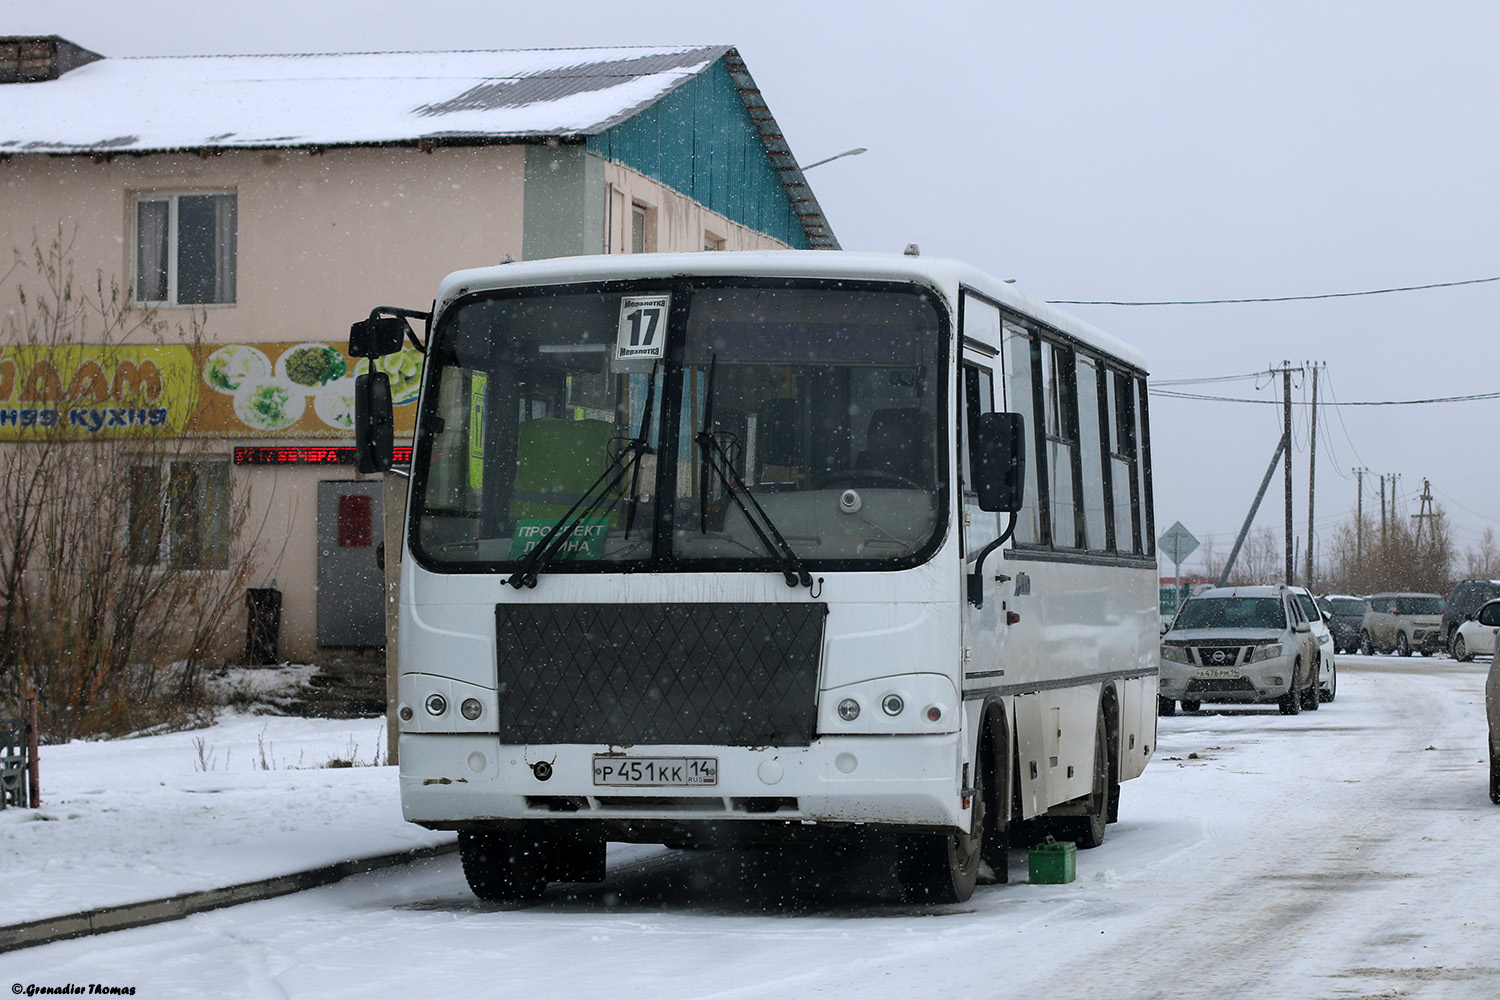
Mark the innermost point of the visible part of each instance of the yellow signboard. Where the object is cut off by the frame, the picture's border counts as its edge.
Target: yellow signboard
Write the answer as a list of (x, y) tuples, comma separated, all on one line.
[(288, 390)]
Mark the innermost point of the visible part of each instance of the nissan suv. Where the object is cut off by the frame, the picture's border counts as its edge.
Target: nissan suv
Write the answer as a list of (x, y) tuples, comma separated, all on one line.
[(1245, 645)]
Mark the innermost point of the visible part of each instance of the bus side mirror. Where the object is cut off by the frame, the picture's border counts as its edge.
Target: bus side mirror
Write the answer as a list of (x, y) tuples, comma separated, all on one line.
[(999, 461), (374, 423), (377, 336)]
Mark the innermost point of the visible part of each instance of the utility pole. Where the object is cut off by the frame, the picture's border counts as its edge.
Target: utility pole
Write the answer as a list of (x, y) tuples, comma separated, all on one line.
[(1285, 371), (1424, 512), (1359, 519), (1312, 472), (1382, 510)]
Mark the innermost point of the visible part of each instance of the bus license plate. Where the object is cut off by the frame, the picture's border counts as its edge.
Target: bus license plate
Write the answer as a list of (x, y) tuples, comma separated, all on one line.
[(1218, 673), (656, 771)]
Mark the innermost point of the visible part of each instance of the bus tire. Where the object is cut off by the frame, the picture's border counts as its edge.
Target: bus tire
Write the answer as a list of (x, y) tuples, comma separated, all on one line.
[(504, 866), (1087, 831), (995, 850), (943, 867)]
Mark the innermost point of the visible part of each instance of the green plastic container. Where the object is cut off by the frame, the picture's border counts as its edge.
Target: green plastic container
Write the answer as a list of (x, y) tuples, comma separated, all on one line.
[(1054, 864)]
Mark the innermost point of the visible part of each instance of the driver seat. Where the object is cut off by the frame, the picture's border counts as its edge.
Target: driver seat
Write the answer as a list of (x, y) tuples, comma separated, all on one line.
[(897, 443)]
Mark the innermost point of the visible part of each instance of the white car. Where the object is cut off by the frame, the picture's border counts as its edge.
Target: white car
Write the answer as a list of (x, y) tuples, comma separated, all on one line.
[(1476, 637), (1317, 621)]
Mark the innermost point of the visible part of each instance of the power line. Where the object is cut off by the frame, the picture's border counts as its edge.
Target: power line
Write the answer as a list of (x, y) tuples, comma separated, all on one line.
[(1273, 298), (1205, 381), (1376, 402)]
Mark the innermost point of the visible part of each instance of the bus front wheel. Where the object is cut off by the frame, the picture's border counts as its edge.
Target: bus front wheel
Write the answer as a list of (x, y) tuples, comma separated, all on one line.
[(504, 866), (943, 867)]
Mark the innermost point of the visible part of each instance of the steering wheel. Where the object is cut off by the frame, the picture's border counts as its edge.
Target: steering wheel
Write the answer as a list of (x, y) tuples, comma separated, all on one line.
[(874, 478)]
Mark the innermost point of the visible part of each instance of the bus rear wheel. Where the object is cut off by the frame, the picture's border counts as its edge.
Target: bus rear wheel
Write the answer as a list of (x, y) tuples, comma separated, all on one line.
[(1088, 830), (943, 867), (504, 866)]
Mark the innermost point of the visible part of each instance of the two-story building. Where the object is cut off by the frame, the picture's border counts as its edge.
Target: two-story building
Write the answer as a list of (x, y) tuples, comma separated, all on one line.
[(281, 197)]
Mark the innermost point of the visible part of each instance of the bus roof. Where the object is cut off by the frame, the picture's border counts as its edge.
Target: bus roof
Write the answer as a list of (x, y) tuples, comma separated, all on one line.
[(942, 273)]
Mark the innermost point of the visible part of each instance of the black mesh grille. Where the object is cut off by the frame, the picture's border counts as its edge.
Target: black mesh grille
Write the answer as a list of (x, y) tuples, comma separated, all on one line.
[(730, 674)]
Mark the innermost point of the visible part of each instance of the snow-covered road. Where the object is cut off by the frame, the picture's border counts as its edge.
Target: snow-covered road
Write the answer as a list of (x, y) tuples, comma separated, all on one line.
[(1350, 852)]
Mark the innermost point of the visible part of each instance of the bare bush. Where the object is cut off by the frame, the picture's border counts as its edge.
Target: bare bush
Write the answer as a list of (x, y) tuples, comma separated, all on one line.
[(119, 565), (1393, 557)]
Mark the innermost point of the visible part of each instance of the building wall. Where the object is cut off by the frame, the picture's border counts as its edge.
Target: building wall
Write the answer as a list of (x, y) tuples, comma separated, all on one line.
[(324, 237), (699, 140), (680, 223)]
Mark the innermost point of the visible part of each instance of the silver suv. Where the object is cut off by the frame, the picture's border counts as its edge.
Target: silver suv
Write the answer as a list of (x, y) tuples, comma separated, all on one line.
[(1400, 623), (1245, 645)]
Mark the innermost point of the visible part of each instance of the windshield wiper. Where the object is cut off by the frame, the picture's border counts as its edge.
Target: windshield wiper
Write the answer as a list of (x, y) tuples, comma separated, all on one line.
[(619, 467), (715, 457)]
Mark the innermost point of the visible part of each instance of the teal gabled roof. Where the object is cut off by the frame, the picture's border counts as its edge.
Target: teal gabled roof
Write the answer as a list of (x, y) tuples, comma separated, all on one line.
[(713, 138)]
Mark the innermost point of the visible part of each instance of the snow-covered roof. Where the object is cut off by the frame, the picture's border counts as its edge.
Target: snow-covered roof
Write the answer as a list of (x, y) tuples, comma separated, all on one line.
[(162, 103)]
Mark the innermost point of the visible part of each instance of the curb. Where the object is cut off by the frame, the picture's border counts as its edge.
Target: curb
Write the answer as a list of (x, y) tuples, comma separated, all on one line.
[(14, 937)]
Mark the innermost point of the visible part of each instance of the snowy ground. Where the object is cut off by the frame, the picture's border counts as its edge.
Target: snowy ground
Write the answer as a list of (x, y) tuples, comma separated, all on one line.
[(1347, 853), (129, 820)]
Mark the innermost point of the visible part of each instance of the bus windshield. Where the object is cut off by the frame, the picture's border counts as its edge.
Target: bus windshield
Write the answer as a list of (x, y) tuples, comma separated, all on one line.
[(812, 406)]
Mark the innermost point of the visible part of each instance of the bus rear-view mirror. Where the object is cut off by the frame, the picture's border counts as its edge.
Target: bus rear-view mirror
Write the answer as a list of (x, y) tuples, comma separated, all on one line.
[(999, 461), (377, 336), (374, 423)]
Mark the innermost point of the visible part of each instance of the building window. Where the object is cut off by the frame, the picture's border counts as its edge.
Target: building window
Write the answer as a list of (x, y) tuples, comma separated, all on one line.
[(178, 515), (712, 241), (186, 247), (642, 228)]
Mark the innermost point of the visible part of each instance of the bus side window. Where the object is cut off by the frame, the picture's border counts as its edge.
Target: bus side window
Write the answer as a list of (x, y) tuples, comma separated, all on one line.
[(1019, 351), (1124, 483), (1063, 473), (1091, 452), (979, 397), (1143, 470)]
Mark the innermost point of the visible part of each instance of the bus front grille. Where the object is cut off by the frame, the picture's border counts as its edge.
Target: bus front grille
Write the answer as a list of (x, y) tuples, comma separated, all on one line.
[(633, 674)]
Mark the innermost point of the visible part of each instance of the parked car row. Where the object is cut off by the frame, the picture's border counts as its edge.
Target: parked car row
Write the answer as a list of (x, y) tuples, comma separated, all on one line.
[(1276, 644)]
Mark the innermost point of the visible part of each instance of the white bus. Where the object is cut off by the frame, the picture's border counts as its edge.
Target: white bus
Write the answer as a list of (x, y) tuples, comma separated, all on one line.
[(766, 547)]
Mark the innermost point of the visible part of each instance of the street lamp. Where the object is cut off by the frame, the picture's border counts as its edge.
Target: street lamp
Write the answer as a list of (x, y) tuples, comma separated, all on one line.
[(829, 159)]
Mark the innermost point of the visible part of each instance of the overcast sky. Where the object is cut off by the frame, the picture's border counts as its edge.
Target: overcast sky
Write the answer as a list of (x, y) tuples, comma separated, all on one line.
[(1091, 150)]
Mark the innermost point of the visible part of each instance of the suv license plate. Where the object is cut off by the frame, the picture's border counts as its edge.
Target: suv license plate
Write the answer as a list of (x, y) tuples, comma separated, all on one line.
[(1217, 673), (656, 771)]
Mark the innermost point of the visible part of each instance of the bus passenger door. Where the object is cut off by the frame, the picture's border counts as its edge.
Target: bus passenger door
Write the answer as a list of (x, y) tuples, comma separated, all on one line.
[(984, 626)]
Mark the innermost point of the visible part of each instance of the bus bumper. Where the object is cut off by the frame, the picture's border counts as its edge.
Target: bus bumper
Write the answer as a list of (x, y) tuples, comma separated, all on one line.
[(453, 781)]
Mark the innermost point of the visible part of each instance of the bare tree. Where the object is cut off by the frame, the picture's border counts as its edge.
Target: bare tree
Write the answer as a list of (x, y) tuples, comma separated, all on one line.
[(1401, 560), (119, 566), (1482, 561)]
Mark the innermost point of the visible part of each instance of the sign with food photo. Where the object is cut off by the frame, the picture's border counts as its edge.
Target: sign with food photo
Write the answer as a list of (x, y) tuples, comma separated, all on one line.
[(210, 390)]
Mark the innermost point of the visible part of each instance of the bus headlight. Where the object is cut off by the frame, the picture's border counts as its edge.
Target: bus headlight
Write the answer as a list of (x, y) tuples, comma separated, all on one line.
[(436, 704), (471, 708), (848, 710), (892, 704)]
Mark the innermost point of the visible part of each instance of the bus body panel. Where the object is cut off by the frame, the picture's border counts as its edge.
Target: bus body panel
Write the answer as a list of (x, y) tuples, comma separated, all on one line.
[(1056, 642)]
